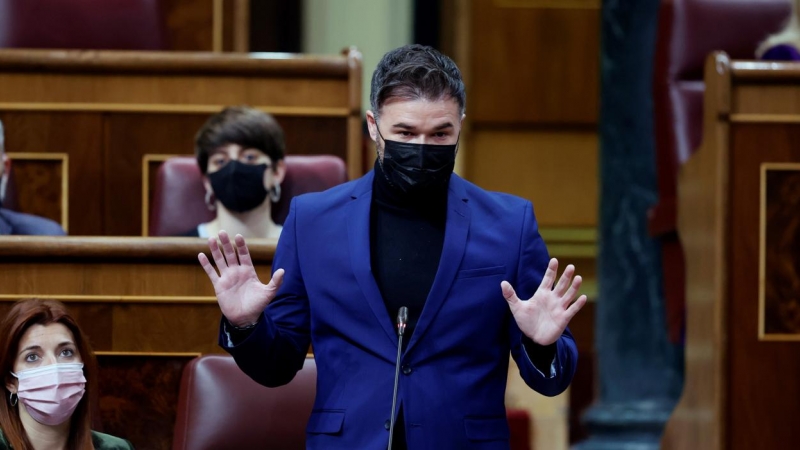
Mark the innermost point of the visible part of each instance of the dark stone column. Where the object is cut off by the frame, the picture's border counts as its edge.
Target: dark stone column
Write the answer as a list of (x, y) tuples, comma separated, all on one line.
[(640, 370)]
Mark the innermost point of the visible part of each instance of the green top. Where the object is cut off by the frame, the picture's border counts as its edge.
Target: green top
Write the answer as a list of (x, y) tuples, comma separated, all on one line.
[(101, 442)]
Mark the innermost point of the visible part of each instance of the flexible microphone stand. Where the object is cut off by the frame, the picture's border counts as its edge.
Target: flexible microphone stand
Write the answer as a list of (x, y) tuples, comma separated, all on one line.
[(402, 320)]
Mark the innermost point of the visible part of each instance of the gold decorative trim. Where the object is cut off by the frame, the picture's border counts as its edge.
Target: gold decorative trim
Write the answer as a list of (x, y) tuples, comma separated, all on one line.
[(762, 257), (146, 160), (307, 111), (548, 4), (183, 299), (150, 354), (570, 242), (64, 158), (765, 118)]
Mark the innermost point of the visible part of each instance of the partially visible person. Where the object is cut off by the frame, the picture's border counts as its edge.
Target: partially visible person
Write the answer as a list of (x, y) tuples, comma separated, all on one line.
[(240, 153), (12, 222), (50, 378), (785, 44)]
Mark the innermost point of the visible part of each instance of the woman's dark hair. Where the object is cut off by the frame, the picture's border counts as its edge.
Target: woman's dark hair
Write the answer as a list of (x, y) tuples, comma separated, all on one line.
[(241, 125), (416, 72), (22, 316)]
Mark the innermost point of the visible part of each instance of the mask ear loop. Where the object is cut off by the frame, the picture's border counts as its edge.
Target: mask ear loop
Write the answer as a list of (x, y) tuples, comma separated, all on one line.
[(13, 398)]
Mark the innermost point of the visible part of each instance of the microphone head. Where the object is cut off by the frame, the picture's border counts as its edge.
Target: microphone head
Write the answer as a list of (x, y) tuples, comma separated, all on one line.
[(402, 320), (402, 315)]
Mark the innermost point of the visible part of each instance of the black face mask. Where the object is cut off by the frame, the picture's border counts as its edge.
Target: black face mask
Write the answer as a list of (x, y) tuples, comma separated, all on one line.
[(417, 168), (239, 186)]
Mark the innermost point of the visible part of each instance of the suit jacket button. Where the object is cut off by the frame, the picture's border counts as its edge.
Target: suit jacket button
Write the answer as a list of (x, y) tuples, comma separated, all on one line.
[(387, 424), (407, 370)]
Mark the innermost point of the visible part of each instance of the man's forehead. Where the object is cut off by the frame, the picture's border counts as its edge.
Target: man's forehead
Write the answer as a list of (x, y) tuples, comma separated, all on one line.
[(403, 109)]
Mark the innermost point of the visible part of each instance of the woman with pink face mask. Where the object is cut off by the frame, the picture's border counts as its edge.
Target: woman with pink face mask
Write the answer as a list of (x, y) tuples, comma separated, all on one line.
[(50, 375)]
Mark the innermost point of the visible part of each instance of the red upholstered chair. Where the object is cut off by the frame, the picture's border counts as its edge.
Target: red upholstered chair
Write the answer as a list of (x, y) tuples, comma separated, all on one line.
[(179, 195), (688, 31), (220, 407), (82, 24)]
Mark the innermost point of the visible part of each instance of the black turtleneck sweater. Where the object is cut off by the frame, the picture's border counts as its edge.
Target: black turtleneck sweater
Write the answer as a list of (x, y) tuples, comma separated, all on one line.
[(406, 240)]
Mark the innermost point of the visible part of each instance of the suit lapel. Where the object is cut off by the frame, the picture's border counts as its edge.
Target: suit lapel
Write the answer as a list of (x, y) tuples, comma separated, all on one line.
[(455, 243), (360, 257)]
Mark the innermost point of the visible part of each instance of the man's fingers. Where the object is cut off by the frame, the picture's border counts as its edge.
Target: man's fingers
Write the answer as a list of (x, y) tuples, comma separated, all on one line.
[(549, 275), (277, 280), (564, 281), (242, 251), (216, 253), (227, 249), (573, 290), (575, 307), (508, 293), (206, 264)]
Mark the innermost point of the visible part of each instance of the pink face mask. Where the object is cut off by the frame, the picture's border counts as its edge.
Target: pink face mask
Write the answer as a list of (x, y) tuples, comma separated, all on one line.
[(51, 393)]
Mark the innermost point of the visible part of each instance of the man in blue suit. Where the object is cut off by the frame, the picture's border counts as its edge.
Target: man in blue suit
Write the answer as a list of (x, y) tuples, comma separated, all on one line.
[(409, 233)]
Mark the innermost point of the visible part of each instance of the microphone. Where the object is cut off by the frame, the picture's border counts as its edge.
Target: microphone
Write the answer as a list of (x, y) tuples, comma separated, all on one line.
[(402, 320)]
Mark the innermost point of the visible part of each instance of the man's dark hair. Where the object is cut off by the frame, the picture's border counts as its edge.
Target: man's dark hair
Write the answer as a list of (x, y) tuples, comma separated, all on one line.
[(416, 72), (241, 125)]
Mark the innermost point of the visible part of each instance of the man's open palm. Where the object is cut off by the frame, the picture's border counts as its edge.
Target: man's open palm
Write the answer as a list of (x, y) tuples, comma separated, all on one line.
[(544, 317), (241, 296)]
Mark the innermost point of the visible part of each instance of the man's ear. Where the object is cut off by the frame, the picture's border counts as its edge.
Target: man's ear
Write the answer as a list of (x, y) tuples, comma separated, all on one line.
[(372, 125)]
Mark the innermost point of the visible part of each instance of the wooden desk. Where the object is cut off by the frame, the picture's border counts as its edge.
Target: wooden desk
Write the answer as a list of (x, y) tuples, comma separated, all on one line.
[(146, 305), (739, 222), (87, 129)]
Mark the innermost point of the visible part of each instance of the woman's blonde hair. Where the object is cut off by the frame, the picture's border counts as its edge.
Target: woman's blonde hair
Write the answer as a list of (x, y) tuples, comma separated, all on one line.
[(789, 34)]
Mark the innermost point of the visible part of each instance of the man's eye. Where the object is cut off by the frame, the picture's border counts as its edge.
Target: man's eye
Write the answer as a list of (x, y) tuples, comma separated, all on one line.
[(405, 133)]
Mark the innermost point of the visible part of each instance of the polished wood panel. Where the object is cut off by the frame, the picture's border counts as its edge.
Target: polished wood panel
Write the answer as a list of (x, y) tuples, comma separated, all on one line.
[(144, 388), (740, 392), (534, 64), (769, 394), (556, 170), (107, 110), (39, 132), (189, 24), (45, 178)]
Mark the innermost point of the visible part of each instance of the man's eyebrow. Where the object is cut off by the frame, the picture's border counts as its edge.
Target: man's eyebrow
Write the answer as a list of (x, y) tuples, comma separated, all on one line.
[(404, 126), (444, 126)]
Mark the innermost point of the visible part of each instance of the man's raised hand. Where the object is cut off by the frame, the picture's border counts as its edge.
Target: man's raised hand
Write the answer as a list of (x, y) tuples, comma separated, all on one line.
[(241, 296), (544, 317)]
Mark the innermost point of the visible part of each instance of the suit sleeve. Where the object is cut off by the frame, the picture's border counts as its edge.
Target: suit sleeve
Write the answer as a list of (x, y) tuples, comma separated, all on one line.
[(275, 349), (533, 260)]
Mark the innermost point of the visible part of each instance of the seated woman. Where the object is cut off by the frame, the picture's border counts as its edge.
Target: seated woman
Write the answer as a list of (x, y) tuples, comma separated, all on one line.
[(785, 44), (50, 376), (240, 153)]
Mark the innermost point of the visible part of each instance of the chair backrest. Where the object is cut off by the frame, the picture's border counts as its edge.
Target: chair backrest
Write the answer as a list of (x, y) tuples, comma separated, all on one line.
[(83, 24), (688, 31), (221, 407), (179, 196)]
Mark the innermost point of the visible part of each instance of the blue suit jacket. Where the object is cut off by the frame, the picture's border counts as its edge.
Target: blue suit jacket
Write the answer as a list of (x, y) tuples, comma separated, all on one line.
[(456, 363), (16, 223)]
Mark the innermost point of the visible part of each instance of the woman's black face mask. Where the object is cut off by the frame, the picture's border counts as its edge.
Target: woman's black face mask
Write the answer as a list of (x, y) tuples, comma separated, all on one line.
[(417, 168), (239, 186)]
